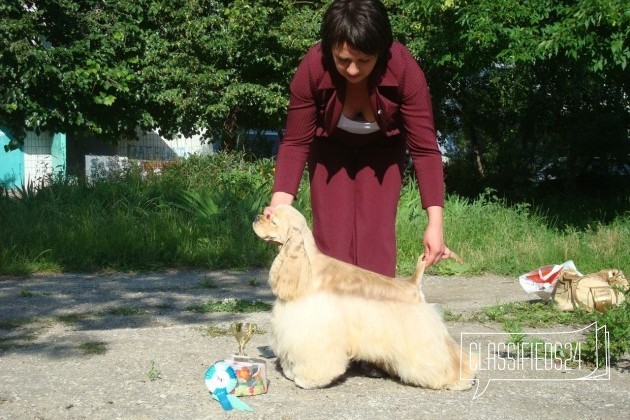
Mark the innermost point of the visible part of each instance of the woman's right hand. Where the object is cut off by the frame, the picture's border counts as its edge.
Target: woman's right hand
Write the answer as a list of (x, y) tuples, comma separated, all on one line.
[(277, 198)]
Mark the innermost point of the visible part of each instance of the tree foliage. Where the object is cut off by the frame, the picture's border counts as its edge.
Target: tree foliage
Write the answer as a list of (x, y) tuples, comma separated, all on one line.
[(183, 66), (516, 85), (520, 87), (221, 66), (69, 65)]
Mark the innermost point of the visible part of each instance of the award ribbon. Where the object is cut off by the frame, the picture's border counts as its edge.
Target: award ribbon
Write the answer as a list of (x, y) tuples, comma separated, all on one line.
[(221, 380)]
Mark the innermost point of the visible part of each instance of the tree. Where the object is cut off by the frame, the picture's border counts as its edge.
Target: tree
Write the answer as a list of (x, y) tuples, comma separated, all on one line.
[(517, 85), (224, 66), (70, 66), (184, 66)]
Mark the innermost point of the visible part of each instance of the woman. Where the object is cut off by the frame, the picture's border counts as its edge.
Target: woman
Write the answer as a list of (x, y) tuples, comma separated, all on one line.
[(358, 101)]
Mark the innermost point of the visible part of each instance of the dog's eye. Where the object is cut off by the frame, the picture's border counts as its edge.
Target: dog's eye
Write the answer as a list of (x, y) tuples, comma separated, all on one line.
[(274, 222)]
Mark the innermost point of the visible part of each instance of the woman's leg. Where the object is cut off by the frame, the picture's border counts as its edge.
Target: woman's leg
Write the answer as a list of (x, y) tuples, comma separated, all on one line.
[(333, 203), (354, 196), (377, 196)]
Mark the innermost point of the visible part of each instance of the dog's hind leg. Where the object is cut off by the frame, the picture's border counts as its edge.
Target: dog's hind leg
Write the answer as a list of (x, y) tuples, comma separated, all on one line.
[(462, 376), (454, 371)]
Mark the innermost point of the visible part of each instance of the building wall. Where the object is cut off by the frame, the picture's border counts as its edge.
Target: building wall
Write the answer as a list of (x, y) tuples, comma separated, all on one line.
[(41, 156), (151, 151), (58, 153), (37, 160), (44, 155), (151, 146), (11, 163)]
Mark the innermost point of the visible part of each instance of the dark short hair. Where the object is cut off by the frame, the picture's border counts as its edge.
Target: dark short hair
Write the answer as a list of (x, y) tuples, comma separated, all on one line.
[(362, 24)]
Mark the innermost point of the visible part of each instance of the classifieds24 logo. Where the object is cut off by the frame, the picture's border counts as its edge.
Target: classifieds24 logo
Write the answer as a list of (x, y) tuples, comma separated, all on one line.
[(536, 356)]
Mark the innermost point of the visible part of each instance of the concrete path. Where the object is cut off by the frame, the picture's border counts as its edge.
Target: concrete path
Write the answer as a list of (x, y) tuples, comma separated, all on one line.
[(110, 346)]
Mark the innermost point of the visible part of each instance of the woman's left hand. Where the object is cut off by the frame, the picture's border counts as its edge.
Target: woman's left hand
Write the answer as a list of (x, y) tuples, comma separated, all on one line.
[(434, 248), (433, 238)]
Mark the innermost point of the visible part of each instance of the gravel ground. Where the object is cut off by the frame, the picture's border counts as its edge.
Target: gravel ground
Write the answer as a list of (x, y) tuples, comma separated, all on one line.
[(110, 346)]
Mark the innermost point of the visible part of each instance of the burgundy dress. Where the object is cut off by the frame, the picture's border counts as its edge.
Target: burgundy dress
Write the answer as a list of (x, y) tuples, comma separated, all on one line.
[(355, 179)]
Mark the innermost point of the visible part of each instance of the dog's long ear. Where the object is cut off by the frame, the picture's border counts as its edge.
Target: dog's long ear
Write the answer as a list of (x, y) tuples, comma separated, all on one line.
[(291, 270)]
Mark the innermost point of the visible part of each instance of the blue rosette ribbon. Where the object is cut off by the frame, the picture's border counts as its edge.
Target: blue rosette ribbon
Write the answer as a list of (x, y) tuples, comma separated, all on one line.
[(220, 379)]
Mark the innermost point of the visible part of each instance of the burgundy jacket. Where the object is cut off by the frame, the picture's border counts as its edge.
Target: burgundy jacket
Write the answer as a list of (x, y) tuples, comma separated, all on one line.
[(402, 106)]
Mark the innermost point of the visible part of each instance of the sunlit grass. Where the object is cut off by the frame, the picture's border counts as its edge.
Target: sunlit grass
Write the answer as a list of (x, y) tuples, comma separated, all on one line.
[(493, 237), (198, 213), (231, 306)]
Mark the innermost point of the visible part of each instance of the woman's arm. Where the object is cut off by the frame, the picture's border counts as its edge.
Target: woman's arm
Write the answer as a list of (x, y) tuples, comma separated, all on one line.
[(433, 238), (417, 112), (300, 128), (417, 117)]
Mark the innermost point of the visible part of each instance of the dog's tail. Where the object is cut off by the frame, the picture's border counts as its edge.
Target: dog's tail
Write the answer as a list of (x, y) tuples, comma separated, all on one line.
[(416, 278), (457, 258)]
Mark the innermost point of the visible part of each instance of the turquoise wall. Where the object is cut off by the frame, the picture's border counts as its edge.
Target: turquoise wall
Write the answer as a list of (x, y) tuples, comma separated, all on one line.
[(58, 154), (11, 163)]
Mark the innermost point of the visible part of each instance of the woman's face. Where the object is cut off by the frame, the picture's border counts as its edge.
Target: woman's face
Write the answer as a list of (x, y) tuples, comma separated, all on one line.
[(354, 65)]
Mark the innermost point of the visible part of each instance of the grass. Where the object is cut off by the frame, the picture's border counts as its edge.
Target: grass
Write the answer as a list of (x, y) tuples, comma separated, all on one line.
[(13, 323), (90, 348), (215, 331), (153, 374), (231, 306), (219, 331), (126, 311), (128, 222), (17, 337), (516, 316), (198, 213), (492, 236), (9, 345), (207, 283), (76, 317), (25, 293), (449, 316), (71, 318)]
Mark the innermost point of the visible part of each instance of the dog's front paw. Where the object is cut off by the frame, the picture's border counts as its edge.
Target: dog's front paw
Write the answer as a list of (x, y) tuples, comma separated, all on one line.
[(286, 370), (309, 384), (315, 376)]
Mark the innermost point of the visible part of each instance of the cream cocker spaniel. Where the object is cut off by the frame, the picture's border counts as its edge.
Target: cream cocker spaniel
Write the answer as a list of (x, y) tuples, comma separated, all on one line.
[(328, 313)]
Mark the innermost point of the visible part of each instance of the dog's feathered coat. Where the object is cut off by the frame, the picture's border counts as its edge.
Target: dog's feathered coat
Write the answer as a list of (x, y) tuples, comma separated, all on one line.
[(329, 312)]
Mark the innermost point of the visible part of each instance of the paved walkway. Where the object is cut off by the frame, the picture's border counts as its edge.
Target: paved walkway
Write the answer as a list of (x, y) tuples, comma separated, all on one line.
[(128, 346)]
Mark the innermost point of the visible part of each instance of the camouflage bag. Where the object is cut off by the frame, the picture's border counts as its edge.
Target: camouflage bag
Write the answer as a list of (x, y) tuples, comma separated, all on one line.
[(592, 292)]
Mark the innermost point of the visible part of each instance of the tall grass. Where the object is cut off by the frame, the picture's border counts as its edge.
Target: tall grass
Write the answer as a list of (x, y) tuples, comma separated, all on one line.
[(131, 221), (492, 236), (198, 213)]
